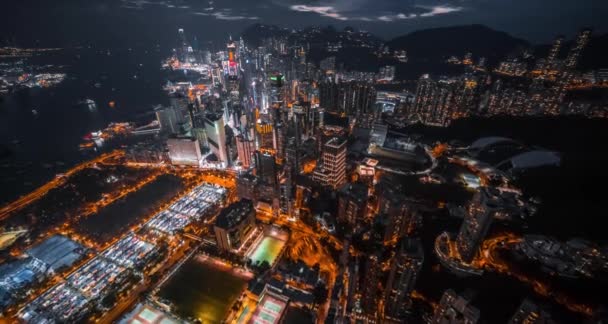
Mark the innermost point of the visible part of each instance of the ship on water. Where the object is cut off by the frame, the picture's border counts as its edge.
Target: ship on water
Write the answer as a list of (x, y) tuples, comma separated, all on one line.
[(89, 103)]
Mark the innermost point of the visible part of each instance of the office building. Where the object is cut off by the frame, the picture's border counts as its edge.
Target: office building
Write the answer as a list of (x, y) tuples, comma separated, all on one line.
[(332, 169), (171, 118), (216, 137), (184, 151), (352, 203), (233, 224), (454, 309), (405, 267), (245, 149), (266, 168), (265, 135)]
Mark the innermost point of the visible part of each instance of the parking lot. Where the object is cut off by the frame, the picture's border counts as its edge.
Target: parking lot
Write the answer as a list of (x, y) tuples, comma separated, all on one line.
[(191, 207)]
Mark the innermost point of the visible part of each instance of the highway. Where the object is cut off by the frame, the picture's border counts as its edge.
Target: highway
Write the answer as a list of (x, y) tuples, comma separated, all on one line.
[(20, 203)]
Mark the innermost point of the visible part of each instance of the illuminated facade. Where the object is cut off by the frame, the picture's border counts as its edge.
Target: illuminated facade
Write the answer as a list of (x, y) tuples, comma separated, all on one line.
[(233, 224), (184, 151), (433, 101), (478, 218), (332, 171), (578, 47), (352, 203), (405, 267), (245, 148), (216, 136)]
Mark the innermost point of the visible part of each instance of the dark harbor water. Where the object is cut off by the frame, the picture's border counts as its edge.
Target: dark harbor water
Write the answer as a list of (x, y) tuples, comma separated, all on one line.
[(40, 145)]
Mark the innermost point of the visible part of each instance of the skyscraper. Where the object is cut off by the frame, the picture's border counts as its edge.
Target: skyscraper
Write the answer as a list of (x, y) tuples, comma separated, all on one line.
[(478, 218), (332, 170), (402, 277), (369, 285), (352, 203), (554, 51), (266, 168), (434, 100), (216, 136), (454, 309), (578, 47), (349, 98), (245, 148)]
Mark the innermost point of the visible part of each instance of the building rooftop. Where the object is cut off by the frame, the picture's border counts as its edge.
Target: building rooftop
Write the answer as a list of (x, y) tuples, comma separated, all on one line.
[(357, 191), (57, 252), (234, 213)]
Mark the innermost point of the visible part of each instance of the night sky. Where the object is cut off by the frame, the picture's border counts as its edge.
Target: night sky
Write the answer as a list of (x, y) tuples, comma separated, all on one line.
[(70, 21)]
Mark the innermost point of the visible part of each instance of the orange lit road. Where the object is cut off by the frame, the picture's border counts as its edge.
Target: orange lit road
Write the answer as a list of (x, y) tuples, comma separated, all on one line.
[(492, 261), (94, 207), (44, 189)]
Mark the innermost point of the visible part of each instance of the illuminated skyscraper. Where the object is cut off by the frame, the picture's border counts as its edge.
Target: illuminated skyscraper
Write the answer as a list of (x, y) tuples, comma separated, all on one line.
[(349, 98), (266, 168), (232, 59), (554, 51), (245, 148), (478, 217), (352, 203), (332, 170), (577, 48), (369, 285), (402, 277), (265, 138), (216, 136), (434, 101), (454, 309)]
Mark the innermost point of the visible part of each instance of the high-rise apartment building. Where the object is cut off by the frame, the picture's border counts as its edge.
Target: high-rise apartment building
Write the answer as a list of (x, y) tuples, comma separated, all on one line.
[(332, 169), (405, 267)]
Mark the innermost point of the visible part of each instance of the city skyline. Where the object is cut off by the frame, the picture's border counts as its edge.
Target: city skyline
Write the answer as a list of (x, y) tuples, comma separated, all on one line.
[(309, 175)]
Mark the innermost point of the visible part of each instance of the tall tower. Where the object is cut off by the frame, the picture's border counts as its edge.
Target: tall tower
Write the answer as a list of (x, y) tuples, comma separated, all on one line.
[(216, 136), (575, 52), (434, 101), (245, 149), (554, 51), (477, 220), (402, 277), (332, 171), (266, 168), (369, 286)]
